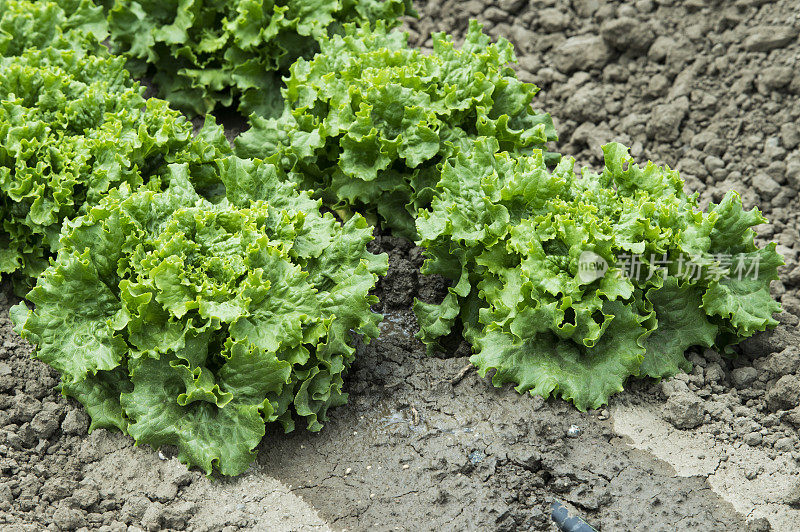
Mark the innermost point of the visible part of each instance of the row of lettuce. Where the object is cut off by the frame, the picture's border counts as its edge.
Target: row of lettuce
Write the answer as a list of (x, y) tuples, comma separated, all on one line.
[(189, 292)]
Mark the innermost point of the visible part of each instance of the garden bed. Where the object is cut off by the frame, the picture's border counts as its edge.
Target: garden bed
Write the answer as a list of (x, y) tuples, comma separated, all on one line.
[(710, 88)]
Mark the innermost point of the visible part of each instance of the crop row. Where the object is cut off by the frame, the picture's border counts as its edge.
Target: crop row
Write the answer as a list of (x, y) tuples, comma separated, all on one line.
[(190, 292)]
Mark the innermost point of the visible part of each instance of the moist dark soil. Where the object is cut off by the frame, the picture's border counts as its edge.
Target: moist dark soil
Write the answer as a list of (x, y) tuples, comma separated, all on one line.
[(711, 88)]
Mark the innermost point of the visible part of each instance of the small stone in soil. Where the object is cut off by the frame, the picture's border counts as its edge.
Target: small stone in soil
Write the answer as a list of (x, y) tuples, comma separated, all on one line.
[(684, 410), (759, 525), (753, 439), (75, 422), (792, 497)]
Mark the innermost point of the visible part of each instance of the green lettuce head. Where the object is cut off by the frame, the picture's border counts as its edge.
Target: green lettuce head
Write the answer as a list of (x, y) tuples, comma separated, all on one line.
[(76, 25), (369, 121), (207, 53), (568, 286), (193, 324), (72, 127)]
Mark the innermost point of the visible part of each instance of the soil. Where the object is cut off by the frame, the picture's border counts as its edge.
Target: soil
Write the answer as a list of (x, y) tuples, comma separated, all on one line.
[(709, 87)]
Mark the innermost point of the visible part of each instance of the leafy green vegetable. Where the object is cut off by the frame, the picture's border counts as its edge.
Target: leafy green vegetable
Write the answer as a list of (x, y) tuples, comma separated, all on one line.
[(73, 126), (76, 25), (569, 286), (206, 320), (369, 121), (206, 53)]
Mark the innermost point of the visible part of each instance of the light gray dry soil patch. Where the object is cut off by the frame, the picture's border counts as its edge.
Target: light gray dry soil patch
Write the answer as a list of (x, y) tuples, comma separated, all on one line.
[(414, 451), (150, 484), (754, 483)]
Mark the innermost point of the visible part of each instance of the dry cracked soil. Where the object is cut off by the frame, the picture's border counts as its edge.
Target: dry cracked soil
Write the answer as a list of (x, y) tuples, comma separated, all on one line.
[(711, 88)]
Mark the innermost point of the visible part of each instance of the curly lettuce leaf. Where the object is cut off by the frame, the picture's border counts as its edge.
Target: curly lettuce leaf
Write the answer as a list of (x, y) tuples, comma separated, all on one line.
[(73, 326), (681, 324), (742, 296), (544, 364), (207, 434)]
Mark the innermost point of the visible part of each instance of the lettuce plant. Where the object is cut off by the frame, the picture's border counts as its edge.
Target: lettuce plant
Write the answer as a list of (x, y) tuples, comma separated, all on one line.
[(568, 286), (368, 121), (73, 126), (206, 321), (77, 25), (206, 53)]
